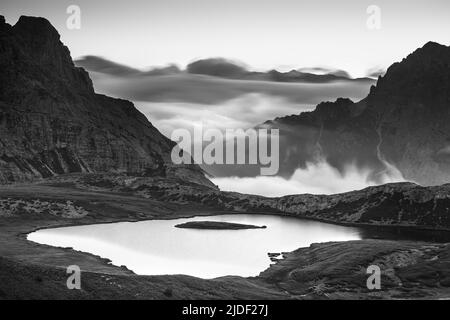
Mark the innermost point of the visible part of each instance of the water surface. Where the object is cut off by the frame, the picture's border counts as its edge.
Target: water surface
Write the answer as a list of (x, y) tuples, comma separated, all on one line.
[(156, 247)]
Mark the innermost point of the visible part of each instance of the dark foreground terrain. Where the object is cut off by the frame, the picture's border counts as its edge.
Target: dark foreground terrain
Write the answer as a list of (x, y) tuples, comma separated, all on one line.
[(323, 271)]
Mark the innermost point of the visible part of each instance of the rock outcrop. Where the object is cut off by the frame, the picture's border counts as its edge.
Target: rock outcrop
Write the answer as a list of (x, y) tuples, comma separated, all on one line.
[(397, 204), (52, 122), (217, 225)]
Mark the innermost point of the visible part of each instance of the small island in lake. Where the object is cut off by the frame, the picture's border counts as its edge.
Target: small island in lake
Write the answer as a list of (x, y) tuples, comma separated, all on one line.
[(217, 225)]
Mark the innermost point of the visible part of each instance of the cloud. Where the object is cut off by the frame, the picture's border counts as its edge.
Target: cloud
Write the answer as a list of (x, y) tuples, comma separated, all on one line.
[(184, 100), (99, 64), (218, 67), (318, 178), (325, 71), (177, 100), (204, 89), (208, 84), (106, 67), (245, 111), (375, 72)]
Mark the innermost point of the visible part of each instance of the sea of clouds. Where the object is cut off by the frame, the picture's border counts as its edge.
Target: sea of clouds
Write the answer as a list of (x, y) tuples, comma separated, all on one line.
[(316, 178), (187, 101)]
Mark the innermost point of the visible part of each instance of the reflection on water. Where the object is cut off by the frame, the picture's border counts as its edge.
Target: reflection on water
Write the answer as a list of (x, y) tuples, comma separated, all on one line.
[(156, 247)]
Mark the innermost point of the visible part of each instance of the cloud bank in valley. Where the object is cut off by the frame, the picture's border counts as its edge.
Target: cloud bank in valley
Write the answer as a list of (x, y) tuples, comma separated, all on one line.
[(183, 100), (318, 178), (172, 100), (242, 112), (204, 89)]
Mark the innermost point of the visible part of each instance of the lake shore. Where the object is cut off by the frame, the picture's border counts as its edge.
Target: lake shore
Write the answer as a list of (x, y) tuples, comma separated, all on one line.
[(39, 271)]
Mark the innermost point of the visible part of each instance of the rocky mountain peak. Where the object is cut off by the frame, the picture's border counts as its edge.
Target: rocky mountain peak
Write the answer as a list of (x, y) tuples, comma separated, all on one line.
[(421, 77), (36, 27), (403, 122), (52, 122)]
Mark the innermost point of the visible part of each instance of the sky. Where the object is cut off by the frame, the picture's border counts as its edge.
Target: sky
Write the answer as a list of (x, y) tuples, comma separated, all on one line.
[(263, 34)]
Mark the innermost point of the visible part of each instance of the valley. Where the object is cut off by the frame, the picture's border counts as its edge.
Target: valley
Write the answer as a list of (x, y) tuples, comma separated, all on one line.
[(420, 267)]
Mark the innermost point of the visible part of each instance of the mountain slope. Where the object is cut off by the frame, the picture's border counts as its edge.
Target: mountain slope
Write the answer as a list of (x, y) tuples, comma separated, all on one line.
[(52, 122), (402, 122)]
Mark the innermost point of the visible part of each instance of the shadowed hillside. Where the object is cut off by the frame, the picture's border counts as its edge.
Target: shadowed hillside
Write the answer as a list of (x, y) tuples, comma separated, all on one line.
[(52, 122)]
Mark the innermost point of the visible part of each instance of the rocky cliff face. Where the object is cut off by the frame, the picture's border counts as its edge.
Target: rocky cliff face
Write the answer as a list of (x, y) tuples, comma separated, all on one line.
[(52, 122), (404, 121)]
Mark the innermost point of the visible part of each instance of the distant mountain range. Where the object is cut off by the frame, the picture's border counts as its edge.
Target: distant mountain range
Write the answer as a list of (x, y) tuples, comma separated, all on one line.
[(214, 82), (52, 122), (98, 64), (403, 123), (219, 67)]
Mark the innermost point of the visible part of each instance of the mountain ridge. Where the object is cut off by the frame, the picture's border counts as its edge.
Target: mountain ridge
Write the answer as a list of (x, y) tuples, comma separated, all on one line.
[(52, 122), (403, 121)]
